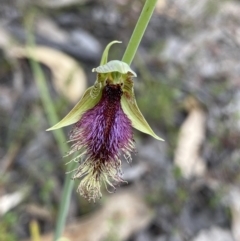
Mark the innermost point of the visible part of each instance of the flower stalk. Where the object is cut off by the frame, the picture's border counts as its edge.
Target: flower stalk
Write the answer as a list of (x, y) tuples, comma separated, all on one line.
[(139, 31)]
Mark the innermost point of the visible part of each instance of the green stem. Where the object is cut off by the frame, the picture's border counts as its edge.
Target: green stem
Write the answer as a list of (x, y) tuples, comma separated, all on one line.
[(61, 141), (139, 31), (47, 102), (59, 135)]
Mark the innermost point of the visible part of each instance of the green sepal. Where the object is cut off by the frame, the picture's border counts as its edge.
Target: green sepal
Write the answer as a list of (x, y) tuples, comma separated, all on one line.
[(130, 108), (104, 58), (87, 102)]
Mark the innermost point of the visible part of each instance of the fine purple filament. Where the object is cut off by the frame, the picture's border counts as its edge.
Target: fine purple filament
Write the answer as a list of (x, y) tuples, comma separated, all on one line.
[(104, 131)]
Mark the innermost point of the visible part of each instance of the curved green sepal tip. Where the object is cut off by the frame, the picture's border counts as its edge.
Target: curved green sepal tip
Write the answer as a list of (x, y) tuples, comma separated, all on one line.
[(131, 109), (104, 58), (87, 102), (115, 66)]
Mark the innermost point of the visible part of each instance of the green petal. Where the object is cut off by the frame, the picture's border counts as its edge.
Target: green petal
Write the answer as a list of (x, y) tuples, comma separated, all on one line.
[(131, 109), (115, 66), (86, 103)]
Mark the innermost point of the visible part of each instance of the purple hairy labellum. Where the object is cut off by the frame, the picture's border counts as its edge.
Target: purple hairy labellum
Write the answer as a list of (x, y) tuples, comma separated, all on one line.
[(102, 131)]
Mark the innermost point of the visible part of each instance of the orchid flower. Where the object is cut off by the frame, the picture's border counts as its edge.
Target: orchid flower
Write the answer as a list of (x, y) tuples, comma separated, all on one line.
[(102, 131)]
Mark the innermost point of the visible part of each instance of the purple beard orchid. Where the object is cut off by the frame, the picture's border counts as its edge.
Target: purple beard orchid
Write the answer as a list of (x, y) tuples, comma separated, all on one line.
[(102, 133)]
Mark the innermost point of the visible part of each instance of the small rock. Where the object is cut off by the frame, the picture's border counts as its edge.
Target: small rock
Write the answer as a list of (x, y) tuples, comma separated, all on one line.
[(214, 234)]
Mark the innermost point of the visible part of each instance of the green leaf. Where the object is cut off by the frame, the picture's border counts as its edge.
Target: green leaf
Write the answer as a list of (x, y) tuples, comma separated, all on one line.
[(87, 102), (131, 109)]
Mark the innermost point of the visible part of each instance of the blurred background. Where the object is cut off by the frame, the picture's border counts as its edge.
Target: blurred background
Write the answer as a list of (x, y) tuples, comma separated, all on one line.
[(188, 67)]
